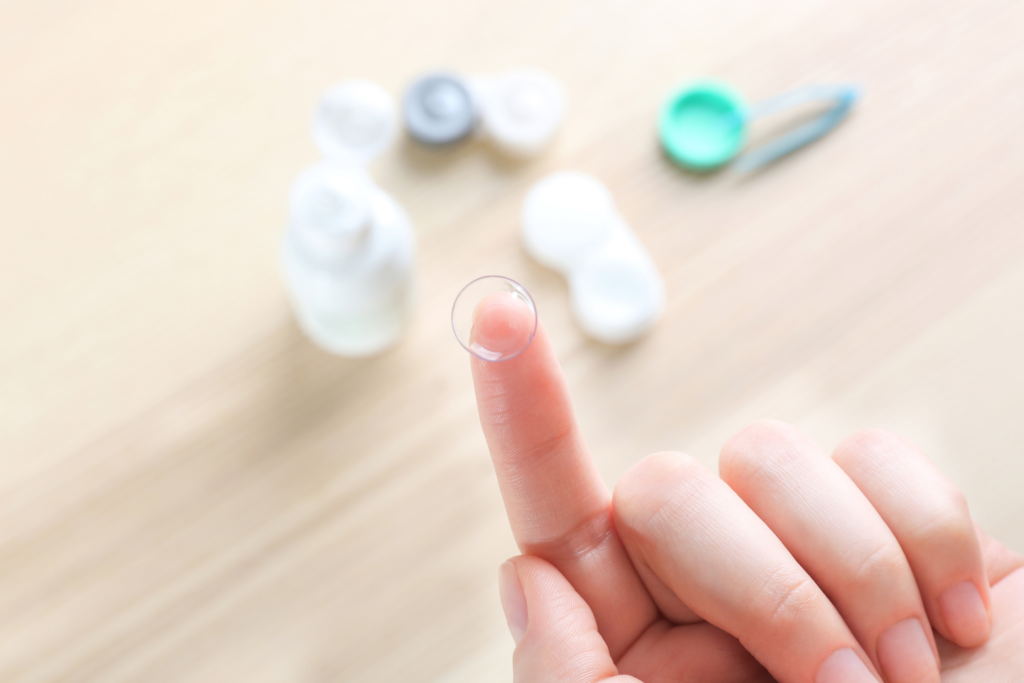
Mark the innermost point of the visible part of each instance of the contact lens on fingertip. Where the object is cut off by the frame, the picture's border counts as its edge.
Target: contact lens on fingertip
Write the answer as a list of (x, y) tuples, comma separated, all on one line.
[(494, 318)]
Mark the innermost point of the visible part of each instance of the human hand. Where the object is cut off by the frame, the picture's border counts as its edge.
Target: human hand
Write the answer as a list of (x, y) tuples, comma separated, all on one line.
[(793, 566)]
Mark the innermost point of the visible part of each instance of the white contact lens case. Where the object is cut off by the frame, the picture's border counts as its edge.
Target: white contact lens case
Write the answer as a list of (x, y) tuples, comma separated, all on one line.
[(570, 224)]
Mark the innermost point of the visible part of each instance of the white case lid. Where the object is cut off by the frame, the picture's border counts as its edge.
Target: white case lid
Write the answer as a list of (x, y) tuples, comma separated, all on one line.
[(566, 216), (355, 120), (617, 295), (521, 109)]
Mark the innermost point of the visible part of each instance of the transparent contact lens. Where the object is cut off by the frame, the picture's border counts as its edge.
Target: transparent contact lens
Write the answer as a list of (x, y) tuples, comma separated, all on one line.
[(494, 318)]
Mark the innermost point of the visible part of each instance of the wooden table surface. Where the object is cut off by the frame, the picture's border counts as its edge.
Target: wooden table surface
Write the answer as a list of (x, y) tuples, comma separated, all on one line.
[(190, 491)]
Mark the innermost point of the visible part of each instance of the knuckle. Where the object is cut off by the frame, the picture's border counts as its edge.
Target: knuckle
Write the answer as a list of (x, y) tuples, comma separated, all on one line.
[(744, 454), (879, 567), (550, 444), (948, 527), (870, 439), (651, 486), (636, 486), (757, 435), (789, 597), (868, 445), (588, 536), (957, 500)]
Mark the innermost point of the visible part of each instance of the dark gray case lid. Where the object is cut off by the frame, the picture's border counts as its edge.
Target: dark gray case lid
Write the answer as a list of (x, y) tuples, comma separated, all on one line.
[(440, 109)]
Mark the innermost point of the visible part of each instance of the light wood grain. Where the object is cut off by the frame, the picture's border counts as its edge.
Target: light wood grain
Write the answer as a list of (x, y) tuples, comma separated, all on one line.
[(189, 491)]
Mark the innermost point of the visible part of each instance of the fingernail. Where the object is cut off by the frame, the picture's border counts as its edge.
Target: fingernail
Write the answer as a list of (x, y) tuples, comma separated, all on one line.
[(513, 600), (905, 654), (844, 666), (964, 613)]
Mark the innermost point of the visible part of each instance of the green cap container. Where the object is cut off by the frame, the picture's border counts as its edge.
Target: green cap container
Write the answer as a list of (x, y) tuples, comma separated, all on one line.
[(703, 125)]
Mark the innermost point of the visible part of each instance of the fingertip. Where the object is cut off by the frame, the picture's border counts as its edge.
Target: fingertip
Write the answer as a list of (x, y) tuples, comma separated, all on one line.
[(503, 326), (965, 614), (999, 561), (513, 600), (844, 666), (906, 655), (744, 452)]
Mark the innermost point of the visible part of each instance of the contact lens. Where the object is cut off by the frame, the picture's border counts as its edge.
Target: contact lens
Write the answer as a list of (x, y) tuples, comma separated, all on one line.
[(494, 318)]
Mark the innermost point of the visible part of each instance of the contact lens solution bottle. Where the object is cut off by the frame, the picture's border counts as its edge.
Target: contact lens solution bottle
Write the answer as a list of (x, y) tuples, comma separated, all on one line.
[(348, 257)]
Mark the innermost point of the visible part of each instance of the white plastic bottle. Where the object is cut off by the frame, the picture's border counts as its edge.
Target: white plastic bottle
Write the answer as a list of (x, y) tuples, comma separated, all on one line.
[(348, 258)]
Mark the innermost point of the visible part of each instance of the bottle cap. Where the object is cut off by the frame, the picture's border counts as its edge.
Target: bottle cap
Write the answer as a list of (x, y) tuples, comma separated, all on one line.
[(439, 109), (566, 216), (330, 209), (521, 109), (703, 125), (354, 121)]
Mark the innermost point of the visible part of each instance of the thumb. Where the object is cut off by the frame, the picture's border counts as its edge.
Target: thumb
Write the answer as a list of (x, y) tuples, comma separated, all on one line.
[(554, 629)]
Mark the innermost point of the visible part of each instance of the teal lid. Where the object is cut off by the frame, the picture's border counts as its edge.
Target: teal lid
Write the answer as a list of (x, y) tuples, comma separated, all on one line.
[(703, 125)]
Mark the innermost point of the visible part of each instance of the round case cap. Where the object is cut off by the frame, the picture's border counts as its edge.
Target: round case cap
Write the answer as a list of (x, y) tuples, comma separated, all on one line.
[(521, 109), (439, 109), (703, 125), (566, 217), (355, 120)]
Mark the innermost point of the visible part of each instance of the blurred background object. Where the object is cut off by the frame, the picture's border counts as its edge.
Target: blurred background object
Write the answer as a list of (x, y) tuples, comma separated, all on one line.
[(570, 224), (191, 491)]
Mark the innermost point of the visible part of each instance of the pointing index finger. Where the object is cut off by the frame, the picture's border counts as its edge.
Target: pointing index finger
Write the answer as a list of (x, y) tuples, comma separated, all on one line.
[(557, 503)]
